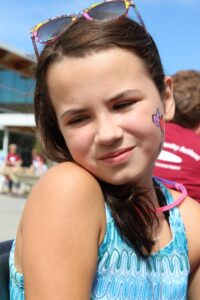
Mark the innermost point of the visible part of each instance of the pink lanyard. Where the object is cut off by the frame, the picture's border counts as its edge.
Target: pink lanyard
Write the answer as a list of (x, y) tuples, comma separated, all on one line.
[(179, 187)]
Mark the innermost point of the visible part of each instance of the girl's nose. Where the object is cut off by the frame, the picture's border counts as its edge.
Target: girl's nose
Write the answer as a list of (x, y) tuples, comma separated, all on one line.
[(108, 132)]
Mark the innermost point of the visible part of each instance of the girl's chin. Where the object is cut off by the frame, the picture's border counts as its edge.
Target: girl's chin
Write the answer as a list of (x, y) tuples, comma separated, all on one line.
[(116, 181)]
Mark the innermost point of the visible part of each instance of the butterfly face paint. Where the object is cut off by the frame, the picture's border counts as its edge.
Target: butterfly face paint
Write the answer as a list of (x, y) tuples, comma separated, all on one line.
[(158, 120)]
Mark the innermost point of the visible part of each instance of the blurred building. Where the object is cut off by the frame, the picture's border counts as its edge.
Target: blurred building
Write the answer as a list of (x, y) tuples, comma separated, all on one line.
[(16, 102)]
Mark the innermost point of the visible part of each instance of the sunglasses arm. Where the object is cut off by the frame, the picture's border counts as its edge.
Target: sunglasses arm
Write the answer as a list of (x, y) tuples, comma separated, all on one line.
[(132, 3), (34, 46)]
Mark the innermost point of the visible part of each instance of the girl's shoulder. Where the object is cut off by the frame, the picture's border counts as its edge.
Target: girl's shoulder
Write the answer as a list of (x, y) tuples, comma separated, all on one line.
[(188, 206), (64, 189), (67, 171), (67, 179), (190, 213)]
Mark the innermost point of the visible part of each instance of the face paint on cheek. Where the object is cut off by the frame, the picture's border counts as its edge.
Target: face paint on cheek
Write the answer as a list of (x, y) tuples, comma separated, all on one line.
[(158, 120)]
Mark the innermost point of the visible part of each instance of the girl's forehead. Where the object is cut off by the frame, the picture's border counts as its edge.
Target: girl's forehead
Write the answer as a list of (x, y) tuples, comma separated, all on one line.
[(111, 57), (105, 67)]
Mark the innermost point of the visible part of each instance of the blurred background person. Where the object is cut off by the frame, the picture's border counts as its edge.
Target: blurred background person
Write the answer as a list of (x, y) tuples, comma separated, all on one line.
[(38, 166), (180, 158), (12, 165)]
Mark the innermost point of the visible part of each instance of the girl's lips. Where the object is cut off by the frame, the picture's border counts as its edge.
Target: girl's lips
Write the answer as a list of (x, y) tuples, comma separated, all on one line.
[(117, 157), (115, 153)]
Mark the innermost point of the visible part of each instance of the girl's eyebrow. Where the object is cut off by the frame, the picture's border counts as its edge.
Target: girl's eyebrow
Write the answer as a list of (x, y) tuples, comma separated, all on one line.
[(119, 96), (73, 111), (124, 94)]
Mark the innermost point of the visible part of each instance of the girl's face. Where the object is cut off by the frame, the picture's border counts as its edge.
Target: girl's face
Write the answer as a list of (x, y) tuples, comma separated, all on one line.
[(108, 110)]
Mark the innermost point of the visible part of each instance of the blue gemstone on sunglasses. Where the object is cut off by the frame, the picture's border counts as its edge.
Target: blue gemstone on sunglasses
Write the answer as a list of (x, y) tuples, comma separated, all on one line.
[(108, 10), (50, 30)]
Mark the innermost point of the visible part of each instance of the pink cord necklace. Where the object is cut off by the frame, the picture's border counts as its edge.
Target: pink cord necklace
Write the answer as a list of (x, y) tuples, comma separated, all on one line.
[(179, 187)]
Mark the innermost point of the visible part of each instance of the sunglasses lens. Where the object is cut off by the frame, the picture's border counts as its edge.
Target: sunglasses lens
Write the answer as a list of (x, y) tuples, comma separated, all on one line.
[(53, 28), (107, 10)]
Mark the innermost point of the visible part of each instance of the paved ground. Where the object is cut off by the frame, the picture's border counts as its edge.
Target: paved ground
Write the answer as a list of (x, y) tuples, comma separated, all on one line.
[(10, 211)]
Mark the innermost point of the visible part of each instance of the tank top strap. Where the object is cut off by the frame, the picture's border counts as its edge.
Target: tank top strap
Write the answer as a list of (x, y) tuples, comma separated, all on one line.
[(171, 203), (110, 233), (176, 222)]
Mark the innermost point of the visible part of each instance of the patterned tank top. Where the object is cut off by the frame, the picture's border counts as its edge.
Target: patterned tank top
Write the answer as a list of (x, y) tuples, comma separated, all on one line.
[(122, 275)]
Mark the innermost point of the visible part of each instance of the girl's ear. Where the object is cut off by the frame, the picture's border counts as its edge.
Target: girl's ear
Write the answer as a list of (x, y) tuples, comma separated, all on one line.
[(168, 99)]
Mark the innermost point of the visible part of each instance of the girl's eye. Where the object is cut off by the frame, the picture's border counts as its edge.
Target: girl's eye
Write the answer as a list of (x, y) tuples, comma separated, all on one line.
[(122, 105), (78, 120)]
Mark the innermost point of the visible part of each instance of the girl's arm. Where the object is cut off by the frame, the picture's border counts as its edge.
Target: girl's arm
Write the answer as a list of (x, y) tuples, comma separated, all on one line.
[(194, 285), (190, 212), (63, 225)]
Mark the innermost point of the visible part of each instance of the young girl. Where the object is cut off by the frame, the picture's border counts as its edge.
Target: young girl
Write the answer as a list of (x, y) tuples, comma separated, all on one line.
[(96, 225)]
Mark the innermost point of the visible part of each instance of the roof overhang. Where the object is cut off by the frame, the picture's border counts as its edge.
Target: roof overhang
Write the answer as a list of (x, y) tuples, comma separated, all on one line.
[(14, 60), (16, 120)]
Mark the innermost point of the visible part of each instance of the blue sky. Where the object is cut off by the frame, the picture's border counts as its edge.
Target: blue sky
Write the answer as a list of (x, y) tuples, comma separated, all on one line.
[(174, 24)]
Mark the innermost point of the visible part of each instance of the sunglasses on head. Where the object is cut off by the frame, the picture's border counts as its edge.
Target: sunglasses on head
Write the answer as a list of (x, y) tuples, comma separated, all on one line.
[(48, 31)]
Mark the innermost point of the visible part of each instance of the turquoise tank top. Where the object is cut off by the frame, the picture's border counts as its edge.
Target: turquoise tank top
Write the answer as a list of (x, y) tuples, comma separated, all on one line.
[(122, 275)]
